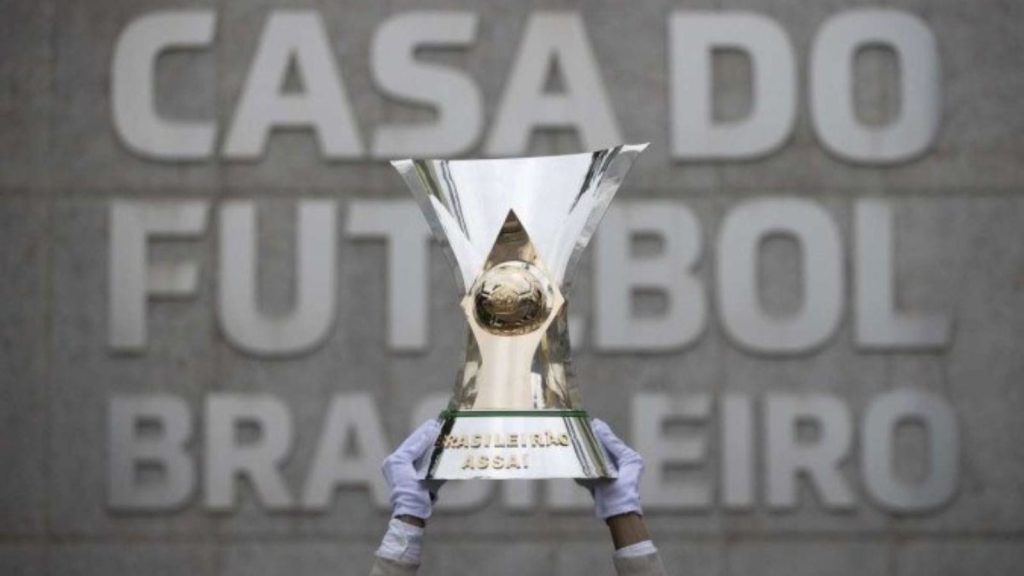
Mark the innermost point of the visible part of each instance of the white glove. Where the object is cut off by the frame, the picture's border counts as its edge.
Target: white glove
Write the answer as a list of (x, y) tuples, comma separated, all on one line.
[(620, 495), (402, 543), (410, 495)]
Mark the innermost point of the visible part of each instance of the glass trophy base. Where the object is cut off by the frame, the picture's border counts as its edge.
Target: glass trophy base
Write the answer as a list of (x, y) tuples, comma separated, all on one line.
[(511, 444)]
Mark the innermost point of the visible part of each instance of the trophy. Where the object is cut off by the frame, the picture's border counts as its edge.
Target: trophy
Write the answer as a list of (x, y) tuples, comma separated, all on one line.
[(514, 230)]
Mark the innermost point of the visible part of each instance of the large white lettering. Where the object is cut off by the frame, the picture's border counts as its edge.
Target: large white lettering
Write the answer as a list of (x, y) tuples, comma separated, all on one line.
[(649, 293), (620, 276), (832, 59), (744, 229), (297, 39), (767, 445), (818, 460), (879, 325), (650, 414), (881, 423), (133, 78), (352, 420), (693, 38), (554, 39), (144, 433), (454, 95), (132, 278), (401, 225), (315, 292), (258, 457), (293, 37)]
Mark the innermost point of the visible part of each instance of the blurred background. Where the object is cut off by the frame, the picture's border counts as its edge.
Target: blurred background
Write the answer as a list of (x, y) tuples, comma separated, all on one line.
[(219, 307)]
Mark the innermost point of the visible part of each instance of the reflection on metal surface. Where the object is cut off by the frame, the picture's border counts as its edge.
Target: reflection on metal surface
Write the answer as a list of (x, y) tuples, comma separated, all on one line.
[(513, 297), (506, 445), (514, 230)]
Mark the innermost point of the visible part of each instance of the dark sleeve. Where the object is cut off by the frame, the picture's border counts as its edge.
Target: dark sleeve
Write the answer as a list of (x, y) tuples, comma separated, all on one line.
[(386, 567)]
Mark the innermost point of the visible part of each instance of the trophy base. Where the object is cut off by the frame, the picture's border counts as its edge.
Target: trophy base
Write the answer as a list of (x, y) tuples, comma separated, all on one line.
[(503, 444)]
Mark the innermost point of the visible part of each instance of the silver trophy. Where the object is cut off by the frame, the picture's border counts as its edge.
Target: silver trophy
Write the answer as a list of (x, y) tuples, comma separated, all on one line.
[(514, 230)]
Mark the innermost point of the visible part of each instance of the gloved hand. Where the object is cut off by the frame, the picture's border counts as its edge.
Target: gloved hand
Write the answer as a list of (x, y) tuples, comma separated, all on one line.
[(411, 496), (620, 495)]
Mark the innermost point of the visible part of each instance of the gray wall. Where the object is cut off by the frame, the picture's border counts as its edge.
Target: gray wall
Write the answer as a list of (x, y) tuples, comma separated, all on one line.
[(960, 249)]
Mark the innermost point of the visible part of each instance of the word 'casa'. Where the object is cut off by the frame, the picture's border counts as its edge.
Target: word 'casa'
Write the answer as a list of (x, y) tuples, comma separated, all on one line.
[(298, 42)]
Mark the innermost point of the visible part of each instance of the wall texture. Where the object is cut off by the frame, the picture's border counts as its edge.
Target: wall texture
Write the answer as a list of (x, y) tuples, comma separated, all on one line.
[(959, 249)]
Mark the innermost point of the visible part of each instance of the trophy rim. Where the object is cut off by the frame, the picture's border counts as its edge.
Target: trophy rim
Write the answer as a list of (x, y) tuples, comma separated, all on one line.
[(639, 147), (439, 199)]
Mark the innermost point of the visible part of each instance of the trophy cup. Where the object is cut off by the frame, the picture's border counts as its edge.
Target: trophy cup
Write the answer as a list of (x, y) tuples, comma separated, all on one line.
[(514, 230)]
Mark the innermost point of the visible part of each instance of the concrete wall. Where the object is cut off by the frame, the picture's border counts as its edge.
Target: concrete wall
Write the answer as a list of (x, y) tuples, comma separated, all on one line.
[(959, 249)]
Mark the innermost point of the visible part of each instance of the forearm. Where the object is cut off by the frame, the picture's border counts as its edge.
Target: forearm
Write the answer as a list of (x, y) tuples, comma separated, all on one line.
[(627, 529), (412, 520), (635, 554)]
